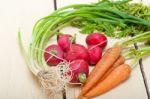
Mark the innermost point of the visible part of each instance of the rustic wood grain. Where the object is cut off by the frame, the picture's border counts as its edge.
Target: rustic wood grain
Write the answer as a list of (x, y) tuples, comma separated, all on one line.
[(17, 82)]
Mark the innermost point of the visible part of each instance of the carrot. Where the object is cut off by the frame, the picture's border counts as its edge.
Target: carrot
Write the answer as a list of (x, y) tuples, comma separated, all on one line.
[(108, 59), (119, 61), (118, 75)]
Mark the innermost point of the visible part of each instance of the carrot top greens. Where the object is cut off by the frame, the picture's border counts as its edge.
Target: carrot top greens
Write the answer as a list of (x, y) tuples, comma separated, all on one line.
[(120, 16)]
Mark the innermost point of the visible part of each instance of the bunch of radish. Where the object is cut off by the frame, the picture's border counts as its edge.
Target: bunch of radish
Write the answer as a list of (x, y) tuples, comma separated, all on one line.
[(77, 55)]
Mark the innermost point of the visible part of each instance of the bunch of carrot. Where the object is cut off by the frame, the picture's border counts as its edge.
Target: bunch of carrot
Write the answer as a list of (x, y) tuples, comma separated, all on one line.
[(111, 70)]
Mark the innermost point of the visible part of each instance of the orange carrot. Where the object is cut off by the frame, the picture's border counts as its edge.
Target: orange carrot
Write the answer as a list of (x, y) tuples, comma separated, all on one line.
[(118, 75), (119, 61), (108, 59)]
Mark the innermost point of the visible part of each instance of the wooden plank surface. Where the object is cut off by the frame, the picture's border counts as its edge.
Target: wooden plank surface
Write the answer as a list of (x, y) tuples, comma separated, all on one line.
[(145, 65), (145, 68), (16, 80), (134, 88), (146, 72)]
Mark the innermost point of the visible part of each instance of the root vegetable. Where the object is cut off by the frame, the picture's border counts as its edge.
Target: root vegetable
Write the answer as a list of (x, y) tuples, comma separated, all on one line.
[(95, 54), (96, 39), (117, 76), (108, 59), (64, 41), (77, 51), (53, 55), (80, 71), (119, 61)]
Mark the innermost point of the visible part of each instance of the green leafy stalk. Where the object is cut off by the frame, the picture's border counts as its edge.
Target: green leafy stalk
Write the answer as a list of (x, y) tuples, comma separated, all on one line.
[(139, 38), (32, 67), (82, 77), (137, 54)]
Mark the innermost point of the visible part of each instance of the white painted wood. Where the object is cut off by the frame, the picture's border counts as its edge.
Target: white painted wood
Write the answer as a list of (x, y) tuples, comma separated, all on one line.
[(61, 3), (132, 88), (16, 80), (146, 60), (146, 66)]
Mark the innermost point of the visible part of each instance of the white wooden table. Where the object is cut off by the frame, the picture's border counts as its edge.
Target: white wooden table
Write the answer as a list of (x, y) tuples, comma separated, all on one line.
[(18, 83)]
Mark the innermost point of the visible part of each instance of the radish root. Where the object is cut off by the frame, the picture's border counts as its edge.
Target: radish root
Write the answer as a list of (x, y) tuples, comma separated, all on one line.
[(55, 79)]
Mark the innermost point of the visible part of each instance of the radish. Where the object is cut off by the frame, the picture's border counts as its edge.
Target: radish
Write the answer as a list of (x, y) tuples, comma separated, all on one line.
[(64, 41), (53, 55), (96, 39), (77, 51), (95, 54), (80, 71)]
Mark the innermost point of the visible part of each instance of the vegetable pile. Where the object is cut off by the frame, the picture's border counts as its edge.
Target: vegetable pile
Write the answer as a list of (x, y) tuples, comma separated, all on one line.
[(112, 70), (56, 65), (76, 55)]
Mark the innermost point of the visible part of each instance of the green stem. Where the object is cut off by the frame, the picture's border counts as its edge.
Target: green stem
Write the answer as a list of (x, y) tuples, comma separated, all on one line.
[(82, 77), (139, 38), (31, 66), (137, 54)]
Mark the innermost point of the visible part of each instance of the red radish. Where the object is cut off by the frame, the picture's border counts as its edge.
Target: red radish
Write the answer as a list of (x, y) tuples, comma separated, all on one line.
[(95, 54), (53, 55), (77, 51), (80, 71), (64, 41), (96, 39)]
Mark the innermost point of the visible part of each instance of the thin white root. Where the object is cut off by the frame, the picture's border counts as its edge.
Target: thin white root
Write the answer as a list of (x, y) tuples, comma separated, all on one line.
[(55, 79)]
